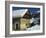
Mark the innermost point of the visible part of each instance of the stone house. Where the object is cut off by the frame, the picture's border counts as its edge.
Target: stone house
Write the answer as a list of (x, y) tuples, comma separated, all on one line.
[(21, 19)]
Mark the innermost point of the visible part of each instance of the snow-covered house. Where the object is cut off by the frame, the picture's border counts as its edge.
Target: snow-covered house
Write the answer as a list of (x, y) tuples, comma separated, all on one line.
[(21, 19)]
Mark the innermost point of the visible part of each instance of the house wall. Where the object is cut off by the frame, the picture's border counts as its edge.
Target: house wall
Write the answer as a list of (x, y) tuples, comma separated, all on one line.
[(16, 21), (24, 23)]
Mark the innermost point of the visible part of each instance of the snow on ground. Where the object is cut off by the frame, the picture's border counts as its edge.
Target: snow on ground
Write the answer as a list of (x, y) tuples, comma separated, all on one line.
[(33, 28), (36, 26)]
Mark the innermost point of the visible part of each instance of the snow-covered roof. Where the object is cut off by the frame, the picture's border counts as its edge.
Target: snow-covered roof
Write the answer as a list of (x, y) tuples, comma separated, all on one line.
[(19, 13)]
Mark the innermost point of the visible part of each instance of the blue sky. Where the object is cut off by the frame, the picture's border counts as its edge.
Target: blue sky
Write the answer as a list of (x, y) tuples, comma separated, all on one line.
[(32, 10)]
